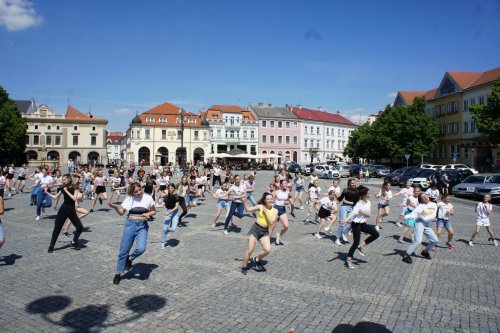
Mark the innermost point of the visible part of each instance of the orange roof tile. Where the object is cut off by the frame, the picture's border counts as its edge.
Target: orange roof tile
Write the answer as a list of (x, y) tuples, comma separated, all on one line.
[(71, 112), (486, 77), (463, 79), (164, 109), (409, 96), (227, 108), (430, 94), (323, 116)]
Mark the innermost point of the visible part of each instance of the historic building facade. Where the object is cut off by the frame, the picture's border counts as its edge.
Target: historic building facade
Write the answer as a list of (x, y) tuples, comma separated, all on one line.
[(53, 138), (113, 146)]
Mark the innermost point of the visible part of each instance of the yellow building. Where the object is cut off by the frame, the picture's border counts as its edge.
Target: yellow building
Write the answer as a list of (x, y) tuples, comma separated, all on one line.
[(167, 134)]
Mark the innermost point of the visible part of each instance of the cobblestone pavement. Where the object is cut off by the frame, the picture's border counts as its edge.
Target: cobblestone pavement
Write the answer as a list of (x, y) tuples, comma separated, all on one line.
[(194, 284)]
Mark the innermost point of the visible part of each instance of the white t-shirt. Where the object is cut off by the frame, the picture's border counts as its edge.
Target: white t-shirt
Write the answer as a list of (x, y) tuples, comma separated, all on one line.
[(299, 182), (220, 193), (144, 201), (281, 197), (406, 193), (384, 199), (360, 206), (314, 192), (45, 181), (434, 194), (238, 190), (427, 212), (444, 210), (2, 181), (87, 175), (249, 186), (483, 210), (411, 203), (336, 189), (326, 203), (217, 171)]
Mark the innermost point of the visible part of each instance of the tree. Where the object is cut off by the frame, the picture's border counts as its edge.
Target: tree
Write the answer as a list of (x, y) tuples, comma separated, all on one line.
[(398, 131), (487, 117), (12, 128)]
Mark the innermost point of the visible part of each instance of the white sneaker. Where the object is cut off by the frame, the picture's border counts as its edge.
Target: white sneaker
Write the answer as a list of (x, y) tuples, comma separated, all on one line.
[(470, 243), (495, 242), (326, 229), (302, 207), (344, 238), (163, 245), (226, 232), (318, 236), (278, 240), (377, 227), (37, 218), (398, 225), (337, 241), (10, 194)]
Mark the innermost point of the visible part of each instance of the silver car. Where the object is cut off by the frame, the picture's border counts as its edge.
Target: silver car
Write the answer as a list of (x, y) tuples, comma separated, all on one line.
[(323, 170), (344, 170), (490, 186), (467, 187)]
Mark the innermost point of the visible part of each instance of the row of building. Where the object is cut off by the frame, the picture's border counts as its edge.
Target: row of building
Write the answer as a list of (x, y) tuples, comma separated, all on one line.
[(170, 134), (449, 103)]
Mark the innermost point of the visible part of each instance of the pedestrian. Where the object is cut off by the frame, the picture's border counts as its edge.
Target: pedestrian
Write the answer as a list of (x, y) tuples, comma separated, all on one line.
[(67, 211), (236, 193), (445, 211), (484, 210), (367, 175), (327, 210), (281, 197), (299, 189), (358, 217), (410, 204), (266, 218), (217, 175), (433, 192), (275, 167), (314, 194), (21, 177), (348, 199), (42, 199), (171, 203), (384, 197), (333, 217), (139, 208), (406, 192), (100, 189), (424, 213)]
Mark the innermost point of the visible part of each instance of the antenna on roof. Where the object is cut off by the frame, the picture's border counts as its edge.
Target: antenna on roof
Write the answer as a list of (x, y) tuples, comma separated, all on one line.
[(68, 101)]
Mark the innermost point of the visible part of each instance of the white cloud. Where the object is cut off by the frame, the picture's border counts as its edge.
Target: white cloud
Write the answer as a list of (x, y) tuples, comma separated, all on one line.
[(122, 111), (18, 15), (391, 95), (355, 115)]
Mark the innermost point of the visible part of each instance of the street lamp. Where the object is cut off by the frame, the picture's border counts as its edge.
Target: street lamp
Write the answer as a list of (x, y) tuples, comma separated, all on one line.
[(182, 113)]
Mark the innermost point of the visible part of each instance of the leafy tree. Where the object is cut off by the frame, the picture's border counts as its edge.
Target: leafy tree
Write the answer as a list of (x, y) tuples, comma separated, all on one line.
[(487, 117), (12, 128), (398, 131)]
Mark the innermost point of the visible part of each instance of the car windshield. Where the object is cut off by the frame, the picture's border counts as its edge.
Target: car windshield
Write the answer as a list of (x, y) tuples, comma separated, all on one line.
[(494, 179), (426, 173), (474, 179), (399, 171), (412, 172)]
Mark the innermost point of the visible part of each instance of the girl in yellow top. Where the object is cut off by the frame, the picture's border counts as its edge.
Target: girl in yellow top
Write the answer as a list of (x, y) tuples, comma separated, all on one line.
[(266, 217)]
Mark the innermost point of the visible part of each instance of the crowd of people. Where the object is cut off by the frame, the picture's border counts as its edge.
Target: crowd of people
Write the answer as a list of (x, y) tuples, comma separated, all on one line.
[(175, 191)]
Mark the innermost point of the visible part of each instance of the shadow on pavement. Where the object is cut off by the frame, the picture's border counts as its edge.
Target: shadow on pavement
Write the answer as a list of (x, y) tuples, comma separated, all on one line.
[(10, 259), (140, 271)]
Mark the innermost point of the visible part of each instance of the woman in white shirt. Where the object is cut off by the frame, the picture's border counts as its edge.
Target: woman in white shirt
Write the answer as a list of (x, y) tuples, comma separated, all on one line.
[(384, 197), (299, 189), (358, 218), (281, 197), (484, 210), (424, 213), (327, 209), (314, 193)]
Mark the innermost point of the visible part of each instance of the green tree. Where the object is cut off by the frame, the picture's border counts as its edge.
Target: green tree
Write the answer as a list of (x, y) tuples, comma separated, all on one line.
[(12, 128), (487, 117)]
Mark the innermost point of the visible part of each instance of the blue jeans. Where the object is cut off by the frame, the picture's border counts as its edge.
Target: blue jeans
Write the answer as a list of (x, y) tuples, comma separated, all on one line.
[(41, 196), (343, 212), (169, 224), (86, 185), (251, 198), (419, 230), (236, 209), (34, 190), (134, 230)]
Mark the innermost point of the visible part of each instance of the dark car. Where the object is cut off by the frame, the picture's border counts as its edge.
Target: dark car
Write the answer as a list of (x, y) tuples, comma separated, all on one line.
[(294, 167), (393, 177), (407, 175), (378, 171), (354, 171), (456, 176)]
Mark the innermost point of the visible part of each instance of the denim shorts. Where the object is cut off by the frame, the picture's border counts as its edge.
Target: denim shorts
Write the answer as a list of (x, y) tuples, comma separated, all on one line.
[(281, 210), (2, 235), (382, 205), (223, 204), (299, 189), (442, 223)]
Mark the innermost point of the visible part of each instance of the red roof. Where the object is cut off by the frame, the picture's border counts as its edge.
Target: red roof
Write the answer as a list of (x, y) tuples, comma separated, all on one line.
[(164, 109), (486, 77), (463, 79), (409, 96), (118, 134), (171, 113), (322, 116), (227, 108), (430, 94), (73, 114)]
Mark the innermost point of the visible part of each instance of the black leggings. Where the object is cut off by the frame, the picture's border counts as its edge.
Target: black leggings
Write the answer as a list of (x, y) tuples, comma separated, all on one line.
[(64, 213), (357, 228), (216, 179), (182, 203)]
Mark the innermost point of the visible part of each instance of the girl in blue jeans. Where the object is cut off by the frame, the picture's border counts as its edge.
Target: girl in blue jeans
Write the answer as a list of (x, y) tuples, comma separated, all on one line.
[(171, 203), (139, 208)]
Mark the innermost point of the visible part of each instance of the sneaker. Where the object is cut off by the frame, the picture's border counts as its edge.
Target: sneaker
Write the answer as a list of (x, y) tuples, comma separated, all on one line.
[(377, 227), (451, 245), (31, 203), (344, 239), (278, 240), (292, 213), (91, 210), (337, 241), (349, 264), (495, 242), (402, 241), (75, 245), (301, 207), (399, 225), (360, 249), (470, 243), (128, 264), (306, 221), (226, 232), (37, 218), (117, 278), (51, 249), (318, 236), (100, 201), (244, 270), (163, 245), (258, 265), (234, 226), (10, 194), (213, 226), (326, 230), (407, 259), (426, 255)]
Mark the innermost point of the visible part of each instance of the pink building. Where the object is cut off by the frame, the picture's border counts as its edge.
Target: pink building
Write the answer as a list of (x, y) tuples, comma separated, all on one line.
[(279, 133)]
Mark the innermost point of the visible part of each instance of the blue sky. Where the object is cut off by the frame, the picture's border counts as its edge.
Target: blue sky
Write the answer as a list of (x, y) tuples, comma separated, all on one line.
[(119, 57)]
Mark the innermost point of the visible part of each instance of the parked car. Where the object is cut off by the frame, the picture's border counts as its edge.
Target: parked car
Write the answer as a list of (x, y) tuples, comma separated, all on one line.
[(467, 187), (378, 171), (491, 187), (306, 169), (456, 176), (354, 170), (343, 170), (323, 171), (459, 167), (294, 167), (393, 177), (423, 179), (431, 166), (408, 175)]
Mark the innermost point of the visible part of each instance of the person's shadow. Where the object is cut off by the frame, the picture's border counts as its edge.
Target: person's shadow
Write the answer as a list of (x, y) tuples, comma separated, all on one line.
[(10, 259), (140, 271)]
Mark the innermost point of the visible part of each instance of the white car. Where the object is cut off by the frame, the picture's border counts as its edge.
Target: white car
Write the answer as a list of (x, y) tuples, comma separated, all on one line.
[(431, 166), (459, 166), (323, 170)]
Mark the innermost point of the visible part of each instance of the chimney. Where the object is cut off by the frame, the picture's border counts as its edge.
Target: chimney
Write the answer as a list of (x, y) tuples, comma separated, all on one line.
[(260, 104), (320, 108), (299, 107), (287, 106), (338, 112), (270, 105)]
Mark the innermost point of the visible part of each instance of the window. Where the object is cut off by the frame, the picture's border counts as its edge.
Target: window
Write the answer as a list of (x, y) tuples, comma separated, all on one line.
[(219, 133), (57, 127), (450, 128), (287, 140), (163, 134), (295, 140), (305, 129), (455, 106), (305, 143), (481, 100), (148, 134), (327, 131), (196, 135), (75, 140), (48, 127), (58, 140), (271, 124), (455, 127), (271, 139), (93, 128), (338, 132), (472, 101), (27, 140), (466, 105), (48, 140), (280, 124), (264, 139), (205, 136), (317, 130), (36, 140), (93, 140), (231, 134), (466, 127), (179, 135), (466, 152), (280, 139), (443, 129), (327, 144), (287, 124), (138, 134), (264, 123), (244, 134), (317, 143), (252, 134), (472, 127), (295, 124), (75, 128)]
